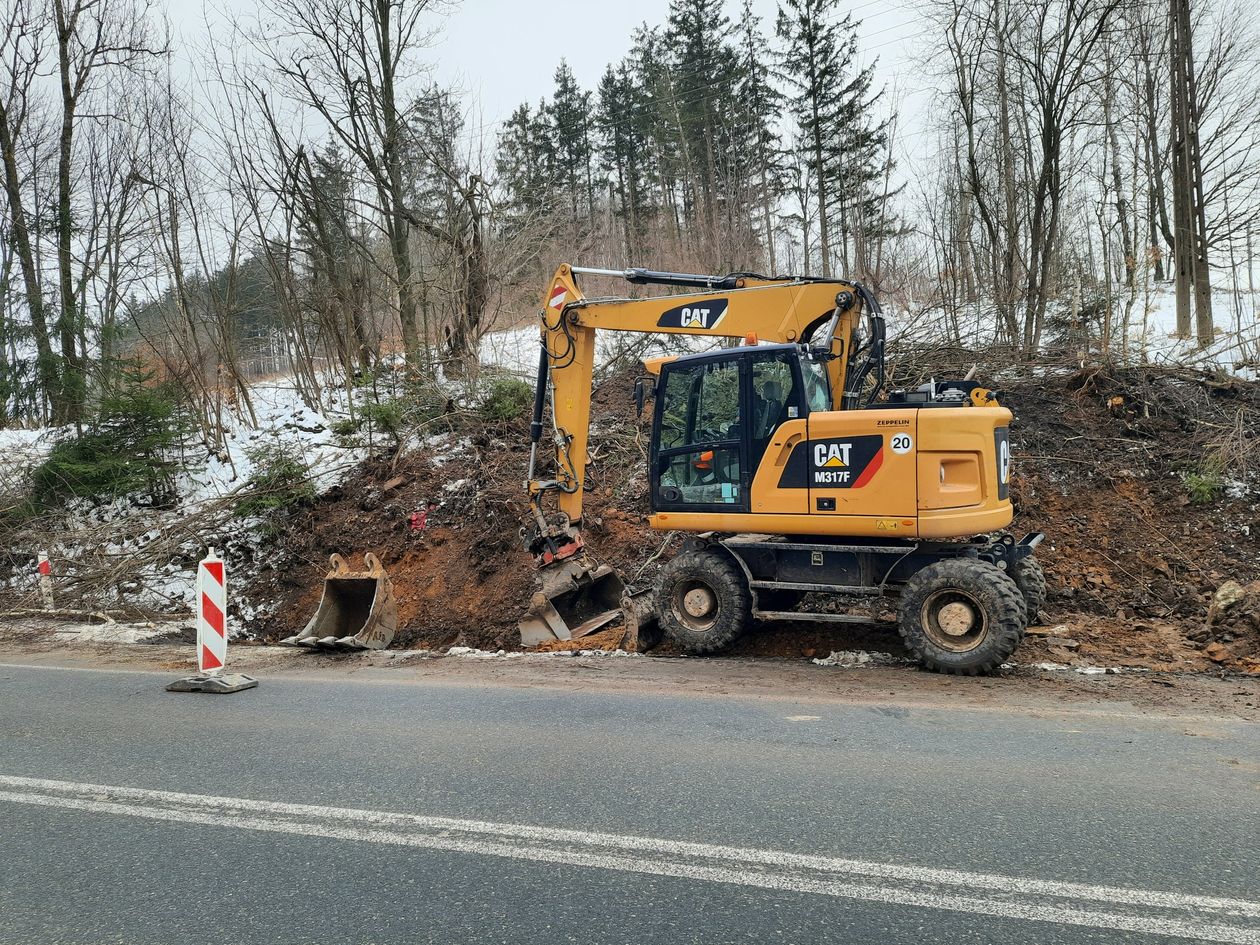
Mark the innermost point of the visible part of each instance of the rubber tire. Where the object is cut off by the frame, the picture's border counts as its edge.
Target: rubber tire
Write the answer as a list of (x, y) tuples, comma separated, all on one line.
[(721, 575), (992, 588), (1031, 581), (779, 599)]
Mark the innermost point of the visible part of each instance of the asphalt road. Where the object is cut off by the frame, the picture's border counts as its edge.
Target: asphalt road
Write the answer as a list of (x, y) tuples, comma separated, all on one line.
[(390, 811)]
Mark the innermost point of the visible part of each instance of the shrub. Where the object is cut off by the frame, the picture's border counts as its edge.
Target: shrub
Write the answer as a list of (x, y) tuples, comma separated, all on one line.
[(386, 416), (1203, 486), (345, 428), (507, 398), (125, 450), (281, 481)]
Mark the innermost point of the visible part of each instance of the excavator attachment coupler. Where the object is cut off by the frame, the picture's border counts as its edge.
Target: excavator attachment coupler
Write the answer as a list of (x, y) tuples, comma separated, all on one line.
[(576, 599), (356, 612)]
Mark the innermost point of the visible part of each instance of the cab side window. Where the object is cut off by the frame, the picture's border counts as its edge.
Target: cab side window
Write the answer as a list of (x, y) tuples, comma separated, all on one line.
[(774, 398), (701, 427)]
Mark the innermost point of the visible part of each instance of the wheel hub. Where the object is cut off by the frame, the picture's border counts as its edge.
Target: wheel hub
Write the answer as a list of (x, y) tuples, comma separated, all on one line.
[(956, 618), (699, 602)]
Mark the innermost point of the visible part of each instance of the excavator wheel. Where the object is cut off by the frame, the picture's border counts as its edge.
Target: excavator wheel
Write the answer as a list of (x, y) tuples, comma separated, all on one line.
[(1031, 581), (703, 602), (962, 615)]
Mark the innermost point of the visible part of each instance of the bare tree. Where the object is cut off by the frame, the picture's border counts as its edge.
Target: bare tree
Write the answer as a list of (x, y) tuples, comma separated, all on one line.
[(25, 49), (350, 61)]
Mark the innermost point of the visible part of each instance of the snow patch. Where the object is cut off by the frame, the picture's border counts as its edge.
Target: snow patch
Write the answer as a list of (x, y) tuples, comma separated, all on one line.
[(471, 652), (108, 632), (205, 488), (849, 659)]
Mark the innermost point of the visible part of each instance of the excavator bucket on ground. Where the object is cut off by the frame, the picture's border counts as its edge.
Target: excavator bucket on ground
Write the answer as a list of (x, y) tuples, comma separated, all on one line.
[(356, 612), (577, 599)]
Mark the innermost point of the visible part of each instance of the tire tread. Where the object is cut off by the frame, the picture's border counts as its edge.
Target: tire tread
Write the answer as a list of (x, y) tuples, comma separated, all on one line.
[(1008, 617), (734, 600)]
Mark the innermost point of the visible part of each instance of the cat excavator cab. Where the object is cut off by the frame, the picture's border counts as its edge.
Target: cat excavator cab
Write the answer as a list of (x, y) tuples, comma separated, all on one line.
[(792, 469)]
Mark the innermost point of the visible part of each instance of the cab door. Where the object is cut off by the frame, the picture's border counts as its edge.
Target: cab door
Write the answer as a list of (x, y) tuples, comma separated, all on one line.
[(700, 461)]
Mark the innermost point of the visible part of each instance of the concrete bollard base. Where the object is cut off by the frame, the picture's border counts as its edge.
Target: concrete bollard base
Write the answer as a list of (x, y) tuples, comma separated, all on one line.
[(228, 682)]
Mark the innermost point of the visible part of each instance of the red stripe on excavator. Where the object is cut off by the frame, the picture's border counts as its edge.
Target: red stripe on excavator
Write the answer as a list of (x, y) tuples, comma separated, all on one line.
[(871, 468)]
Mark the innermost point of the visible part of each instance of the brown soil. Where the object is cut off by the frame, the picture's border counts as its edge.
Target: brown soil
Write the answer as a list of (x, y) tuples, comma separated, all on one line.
[(1131, 559)]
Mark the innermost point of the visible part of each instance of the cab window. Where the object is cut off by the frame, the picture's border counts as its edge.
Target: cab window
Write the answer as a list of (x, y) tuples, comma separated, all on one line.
[(701, 404), (699, 451), (774, 398), (817, 384)]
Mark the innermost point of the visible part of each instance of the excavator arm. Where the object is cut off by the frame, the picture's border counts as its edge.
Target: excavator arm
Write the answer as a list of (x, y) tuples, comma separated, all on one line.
[(823, 312)]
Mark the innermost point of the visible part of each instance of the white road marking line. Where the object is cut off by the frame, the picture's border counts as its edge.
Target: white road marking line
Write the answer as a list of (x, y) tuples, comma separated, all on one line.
[(992, 882), (953, 890), (91, 669)]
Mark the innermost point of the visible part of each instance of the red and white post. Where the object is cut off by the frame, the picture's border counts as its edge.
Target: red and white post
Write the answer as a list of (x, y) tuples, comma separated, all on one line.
[(211, 615), (45, 581), (211, 590)]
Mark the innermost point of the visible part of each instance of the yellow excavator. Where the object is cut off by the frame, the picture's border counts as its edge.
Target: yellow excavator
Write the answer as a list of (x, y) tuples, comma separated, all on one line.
[(797, 474)]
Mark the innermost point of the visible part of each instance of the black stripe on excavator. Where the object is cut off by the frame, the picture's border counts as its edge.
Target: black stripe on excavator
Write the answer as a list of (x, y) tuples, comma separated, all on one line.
[(832, 463), (702, 315), (1002, 449)]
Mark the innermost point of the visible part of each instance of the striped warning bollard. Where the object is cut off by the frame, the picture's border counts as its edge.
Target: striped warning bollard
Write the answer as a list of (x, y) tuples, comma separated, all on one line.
[(211, 615), (211, 605), (45, 581)]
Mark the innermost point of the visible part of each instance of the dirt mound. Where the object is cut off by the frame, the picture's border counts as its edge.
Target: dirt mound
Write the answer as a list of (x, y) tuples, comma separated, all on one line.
[(1232, 632), (1139, 478), (462, 578)]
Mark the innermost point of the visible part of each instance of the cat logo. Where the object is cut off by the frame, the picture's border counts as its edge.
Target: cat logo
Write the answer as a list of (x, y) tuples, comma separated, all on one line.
[(848, 463), (694, 317), (1002, 446), (835, 455)]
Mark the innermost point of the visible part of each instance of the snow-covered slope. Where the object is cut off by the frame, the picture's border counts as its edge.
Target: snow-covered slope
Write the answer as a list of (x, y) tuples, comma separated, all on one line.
[(148, 553)]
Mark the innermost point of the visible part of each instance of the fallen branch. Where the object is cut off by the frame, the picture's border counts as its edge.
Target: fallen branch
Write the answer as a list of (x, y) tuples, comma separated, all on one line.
[(96, 616)]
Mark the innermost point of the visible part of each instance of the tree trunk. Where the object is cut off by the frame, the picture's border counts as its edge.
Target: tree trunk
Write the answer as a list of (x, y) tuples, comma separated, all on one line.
[(1183, 225), (1202, 272), (46, 360)]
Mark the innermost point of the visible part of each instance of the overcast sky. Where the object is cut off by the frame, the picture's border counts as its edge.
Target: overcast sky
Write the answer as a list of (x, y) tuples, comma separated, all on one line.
[(504, 52)]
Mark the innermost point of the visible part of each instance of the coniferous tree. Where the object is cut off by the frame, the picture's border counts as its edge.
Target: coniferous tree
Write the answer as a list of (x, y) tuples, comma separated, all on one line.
[(844, 148), (702, 74), (761, 159), (623, 149), (520, 161), (570, 114)]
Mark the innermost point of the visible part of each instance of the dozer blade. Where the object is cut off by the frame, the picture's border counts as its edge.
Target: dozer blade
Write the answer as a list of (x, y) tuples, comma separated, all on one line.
[(576, 599), (356, 612)]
